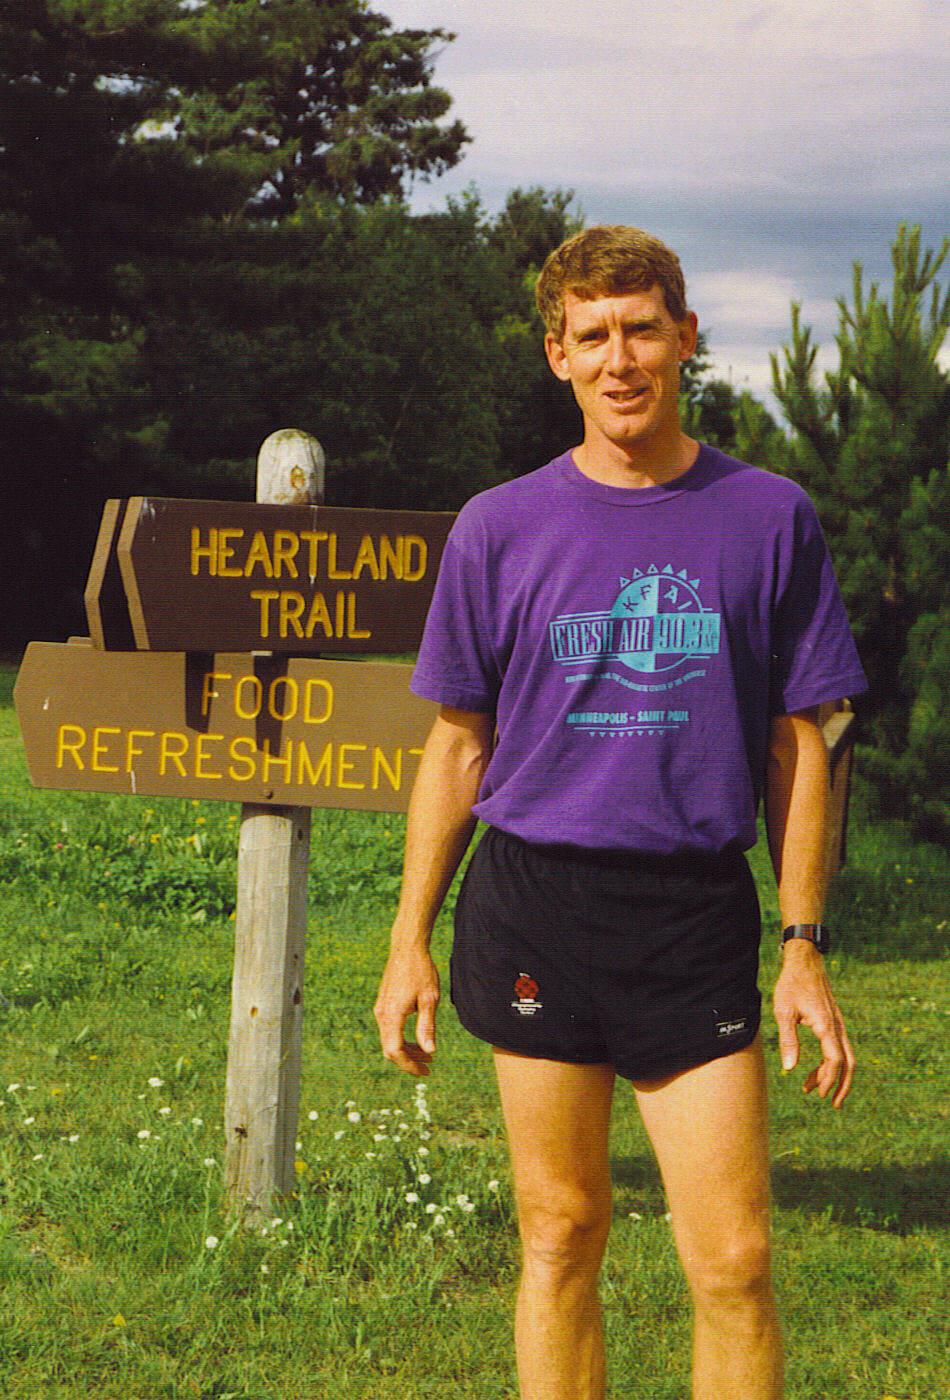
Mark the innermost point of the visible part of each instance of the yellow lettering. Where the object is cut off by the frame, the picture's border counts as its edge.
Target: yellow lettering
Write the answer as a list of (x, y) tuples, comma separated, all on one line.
[(290, 700), (351, 628), (412, 573), (366, 559), (131, 748), (379, 763), (313, 538), (390, 558), (70, 745), (98, 750), (208, 692), (201, 551), (226, 570), (308, 716), (278, 762), (286, 544), (314, 775), (340, 606), (257, 554), (172, 753), (291, 606), (241, 750), (332, 570), (318, 614), (201, 755), (344, 765), (256, 690), (266, 596)]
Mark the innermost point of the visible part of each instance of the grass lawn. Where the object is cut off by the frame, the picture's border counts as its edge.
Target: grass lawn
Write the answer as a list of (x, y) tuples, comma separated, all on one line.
[(390, 1275)]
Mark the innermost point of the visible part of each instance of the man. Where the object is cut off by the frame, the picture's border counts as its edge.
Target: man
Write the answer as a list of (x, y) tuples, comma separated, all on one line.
[(650, 627)]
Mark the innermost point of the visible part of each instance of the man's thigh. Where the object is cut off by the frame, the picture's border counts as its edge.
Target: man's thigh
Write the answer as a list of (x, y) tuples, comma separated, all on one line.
[(558, 1120), (709, 1130)]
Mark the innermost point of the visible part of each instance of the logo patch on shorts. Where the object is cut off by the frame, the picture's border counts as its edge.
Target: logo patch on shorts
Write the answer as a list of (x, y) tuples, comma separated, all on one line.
[(730, 1027), (527, 990)]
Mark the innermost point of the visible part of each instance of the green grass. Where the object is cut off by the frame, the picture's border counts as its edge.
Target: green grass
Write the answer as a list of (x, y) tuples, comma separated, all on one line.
[(115, 964)]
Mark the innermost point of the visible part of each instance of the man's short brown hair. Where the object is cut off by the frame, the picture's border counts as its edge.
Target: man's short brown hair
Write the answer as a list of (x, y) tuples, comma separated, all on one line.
[(608, 260)]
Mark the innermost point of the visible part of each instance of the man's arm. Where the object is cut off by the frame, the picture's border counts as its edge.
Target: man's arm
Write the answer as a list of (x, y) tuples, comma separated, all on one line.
[(438, 831), (796, 814)]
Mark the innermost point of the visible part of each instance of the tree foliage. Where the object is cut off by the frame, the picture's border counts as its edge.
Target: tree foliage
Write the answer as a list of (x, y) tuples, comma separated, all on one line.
[(871, 445)]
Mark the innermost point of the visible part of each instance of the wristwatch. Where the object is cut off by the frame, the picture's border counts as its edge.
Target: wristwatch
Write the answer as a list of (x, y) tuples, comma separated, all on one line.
[(814, 933)]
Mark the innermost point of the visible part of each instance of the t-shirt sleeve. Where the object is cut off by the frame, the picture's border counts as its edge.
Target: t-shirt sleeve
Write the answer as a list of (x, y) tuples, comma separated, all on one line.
[(456, 665), (814, 658)]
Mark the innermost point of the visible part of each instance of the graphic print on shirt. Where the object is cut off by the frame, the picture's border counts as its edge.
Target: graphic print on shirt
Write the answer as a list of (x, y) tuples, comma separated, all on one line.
[(657, 627)]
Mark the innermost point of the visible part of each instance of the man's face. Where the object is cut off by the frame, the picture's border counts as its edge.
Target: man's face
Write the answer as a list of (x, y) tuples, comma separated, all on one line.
[(622, 357)]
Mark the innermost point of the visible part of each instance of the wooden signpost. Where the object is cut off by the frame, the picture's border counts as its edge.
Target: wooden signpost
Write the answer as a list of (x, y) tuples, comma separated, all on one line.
[(204, 677)]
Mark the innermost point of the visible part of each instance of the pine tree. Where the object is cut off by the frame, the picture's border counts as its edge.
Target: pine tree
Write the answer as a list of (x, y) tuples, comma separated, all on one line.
[(871, 446)]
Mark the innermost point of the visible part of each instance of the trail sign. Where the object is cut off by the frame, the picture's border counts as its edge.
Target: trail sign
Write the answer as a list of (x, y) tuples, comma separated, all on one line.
[(235, 576), (295, 732)]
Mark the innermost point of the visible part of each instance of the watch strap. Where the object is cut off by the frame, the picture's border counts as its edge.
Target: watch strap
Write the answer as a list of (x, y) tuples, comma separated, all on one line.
[(813, 933)]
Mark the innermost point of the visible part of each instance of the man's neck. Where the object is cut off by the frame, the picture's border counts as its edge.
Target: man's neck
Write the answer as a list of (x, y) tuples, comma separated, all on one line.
[(635, 469)]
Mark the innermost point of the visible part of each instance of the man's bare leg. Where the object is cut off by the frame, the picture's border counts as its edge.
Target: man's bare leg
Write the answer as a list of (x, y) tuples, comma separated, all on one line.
[(558, 1119), (709, 1131)]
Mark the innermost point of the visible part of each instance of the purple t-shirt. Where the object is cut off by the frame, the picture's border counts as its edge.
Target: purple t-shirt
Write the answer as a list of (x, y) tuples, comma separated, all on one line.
[(633, 645)]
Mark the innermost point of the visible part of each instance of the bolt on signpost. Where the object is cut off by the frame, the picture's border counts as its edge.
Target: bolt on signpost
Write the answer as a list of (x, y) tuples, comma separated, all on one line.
[(262, 1093), (205, 675)]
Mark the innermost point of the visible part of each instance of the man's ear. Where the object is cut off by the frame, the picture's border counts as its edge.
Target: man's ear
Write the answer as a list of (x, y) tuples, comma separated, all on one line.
[(557, 359), (689, 334)]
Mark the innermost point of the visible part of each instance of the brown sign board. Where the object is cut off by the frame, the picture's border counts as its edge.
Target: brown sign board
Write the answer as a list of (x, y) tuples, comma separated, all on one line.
[(266, 729), (107, 610), (235, 576)]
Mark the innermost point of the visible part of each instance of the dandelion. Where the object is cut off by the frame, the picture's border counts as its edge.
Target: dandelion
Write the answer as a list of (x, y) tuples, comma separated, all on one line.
[(212, 1242)]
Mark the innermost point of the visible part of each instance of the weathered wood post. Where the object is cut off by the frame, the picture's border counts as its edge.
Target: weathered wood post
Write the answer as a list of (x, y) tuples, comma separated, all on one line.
[(262, 1095)]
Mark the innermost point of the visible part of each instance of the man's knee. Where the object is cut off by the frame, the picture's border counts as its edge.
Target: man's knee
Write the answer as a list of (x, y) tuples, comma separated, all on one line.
[(733, 1275), (564, 1230)]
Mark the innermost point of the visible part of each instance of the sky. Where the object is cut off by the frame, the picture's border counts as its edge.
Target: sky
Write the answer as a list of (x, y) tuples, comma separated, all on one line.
[(770, 144)]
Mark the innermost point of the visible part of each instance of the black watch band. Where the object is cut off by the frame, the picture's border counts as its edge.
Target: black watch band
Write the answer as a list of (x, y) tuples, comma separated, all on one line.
[(814, 933)]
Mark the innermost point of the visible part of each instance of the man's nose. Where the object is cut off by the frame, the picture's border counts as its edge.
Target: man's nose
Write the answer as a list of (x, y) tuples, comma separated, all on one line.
[(620, 354)]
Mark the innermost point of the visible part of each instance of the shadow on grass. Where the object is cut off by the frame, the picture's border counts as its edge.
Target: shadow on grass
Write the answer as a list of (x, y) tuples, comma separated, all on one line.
[(879, 919), (896, 1199)]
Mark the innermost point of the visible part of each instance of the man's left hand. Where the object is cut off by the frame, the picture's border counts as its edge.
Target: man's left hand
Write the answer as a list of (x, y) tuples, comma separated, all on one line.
[(803, 996)]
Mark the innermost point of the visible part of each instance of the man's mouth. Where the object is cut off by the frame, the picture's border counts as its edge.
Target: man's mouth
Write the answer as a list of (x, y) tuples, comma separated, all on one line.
[(625, 396)]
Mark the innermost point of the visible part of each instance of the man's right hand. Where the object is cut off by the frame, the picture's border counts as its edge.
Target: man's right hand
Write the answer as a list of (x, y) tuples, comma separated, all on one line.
[(410, 986)]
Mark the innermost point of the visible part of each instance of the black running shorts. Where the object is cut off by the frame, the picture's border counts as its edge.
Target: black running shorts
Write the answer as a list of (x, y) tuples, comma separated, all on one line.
[(646, 962)]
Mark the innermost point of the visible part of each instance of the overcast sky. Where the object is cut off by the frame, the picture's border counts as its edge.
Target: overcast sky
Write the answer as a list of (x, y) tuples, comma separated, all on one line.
[(770, 144)]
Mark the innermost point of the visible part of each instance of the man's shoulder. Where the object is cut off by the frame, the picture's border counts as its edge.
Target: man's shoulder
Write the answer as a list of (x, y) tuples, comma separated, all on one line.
[(510, 501), (756, 487)]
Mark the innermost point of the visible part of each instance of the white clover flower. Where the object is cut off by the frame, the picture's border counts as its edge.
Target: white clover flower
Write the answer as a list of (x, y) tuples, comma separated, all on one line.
[(265, 1269), (425, 1137), (212, 1242), (73, 1137), (164, 1112), (28, 1121), (298, 1146), (209, 1162), (450, 1234), (354, 1116), (313, 1115), (38, 1157), (380, 1137), (439, 1220), (276, 1224), (411, 1225), (422, 1152), (12, 1088), (424, 1178), (156, 1083), (338, 1134), (634, 1215), (412, 1198), (431, 1208), (143, 1134), (371, 1156), (493, 1185), (197, 1122), (350, 1103)]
